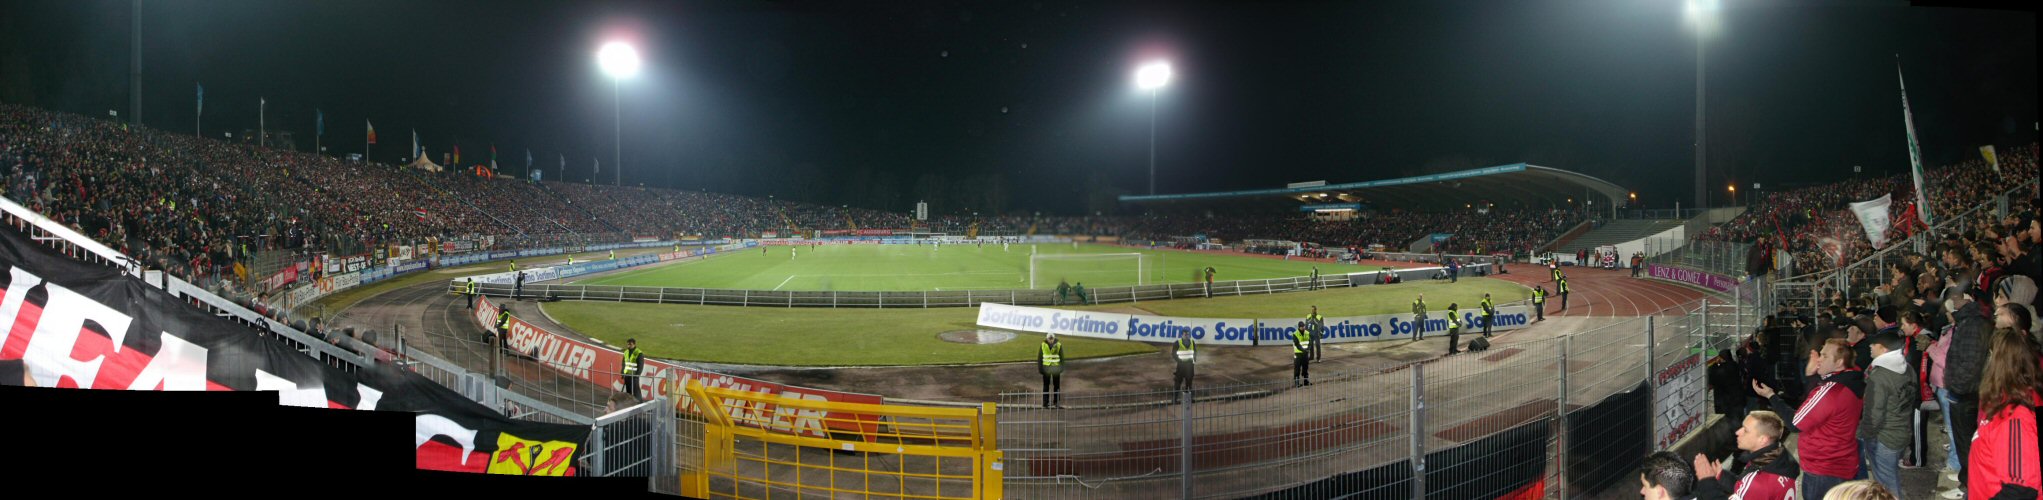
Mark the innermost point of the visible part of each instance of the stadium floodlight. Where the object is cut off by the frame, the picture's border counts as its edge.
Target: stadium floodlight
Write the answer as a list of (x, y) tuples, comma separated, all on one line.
[(1152, 77), (620, 61), (1703, 13)]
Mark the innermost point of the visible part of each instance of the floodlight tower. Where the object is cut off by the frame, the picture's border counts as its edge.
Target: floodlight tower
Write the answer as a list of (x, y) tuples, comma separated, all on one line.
[(620, 61)]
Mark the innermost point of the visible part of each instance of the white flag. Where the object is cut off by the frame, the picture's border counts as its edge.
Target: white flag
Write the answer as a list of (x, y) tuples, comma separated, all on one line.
[(1873, 215)]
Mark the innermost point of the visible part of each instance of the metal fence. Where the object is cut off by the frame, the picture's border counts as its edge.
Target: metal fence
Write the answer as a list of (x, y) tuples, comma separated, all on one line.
[(1720, 257), (1479, 425), (913, 452), (940, 298)]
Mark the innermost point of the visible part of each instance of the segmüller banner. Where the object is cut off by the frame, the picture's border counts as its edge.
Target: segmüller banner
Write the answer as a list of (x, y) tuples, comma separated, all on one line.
[(87, 326), (1236, 331), (600, 365)]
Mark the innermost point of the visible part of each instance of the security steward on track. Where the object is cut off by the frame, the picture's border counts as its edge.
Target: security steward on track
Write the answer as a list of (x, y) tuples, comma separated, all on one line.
[(1184, 351), (1489, 314), (1453, 328), (503, 323), (633, 365), (1300, 357), (1050, 362), (1318, 324), (1419, 318), (1562, 287)]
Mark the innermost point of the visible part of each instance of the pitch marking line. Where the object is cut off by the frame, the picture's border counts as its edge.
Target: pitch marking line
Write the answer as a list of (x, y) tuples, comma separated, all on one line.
[(783, 283)]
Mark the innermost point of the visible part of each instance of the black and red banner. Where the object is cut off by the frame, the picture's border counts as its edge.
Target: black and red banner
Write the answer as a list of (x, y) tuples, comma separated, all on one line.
[(72, 324)]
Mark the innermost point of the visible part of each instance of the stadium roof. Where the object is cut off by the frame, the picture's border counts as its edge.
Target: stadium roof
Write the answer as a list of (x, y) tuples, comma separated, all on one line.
[(1517, 184)]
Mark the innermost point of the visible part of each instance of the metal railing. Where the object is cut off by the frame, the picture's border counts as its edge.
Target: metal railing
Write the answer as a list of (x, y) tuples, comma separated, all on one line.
[(1865, 275), (1475, 425), (1720, 257), (942, 298), (626, 444), (916, 452)]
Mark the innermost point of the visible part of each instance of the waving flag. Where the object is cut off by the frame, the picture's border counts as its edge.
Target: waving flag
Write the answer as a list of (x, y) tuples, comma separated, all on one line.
[(372, 131), (1873, 217), (320, 116), (1914, 149), (202, 98), (457, 154)]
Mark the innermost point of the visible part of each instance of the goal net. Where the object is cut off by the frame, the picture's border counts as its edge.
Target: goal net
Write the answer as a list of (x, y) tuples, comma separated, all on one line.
[(1095, 270)]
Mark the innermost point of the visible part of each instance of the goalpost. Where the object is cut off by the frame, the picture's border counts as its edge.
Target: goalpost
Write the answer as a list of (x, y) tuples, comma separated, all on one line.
[(1106, 269)]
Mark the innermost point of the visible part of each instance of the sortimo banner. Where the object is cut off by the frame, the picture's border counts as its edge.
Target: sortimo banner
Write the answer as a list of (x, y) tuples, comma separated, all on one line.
[(1231, 331)]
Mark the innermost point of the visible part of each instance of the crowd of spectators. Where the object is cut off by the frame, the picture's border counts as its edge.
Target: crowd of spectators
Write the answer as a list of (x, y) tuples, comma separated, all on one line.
[(1469, 231), (1821, 232), (1951, 336)]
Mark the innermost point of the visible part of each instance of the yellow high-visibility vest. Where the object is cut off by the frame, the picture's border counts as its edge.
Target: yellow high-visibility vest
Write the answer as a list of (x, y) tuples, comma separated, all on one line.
[(631, 359), (1053, 355)]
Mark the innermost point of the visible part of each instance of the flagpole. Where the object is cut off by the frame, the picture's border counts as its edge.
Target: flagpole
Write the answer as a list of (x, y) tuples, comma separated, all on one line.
[(1914, 151)]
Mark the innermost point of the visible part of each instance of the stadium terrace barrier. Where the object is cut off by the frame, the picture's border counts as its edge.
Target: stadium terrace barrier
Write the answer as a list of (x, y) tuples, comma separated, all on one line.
[(493, 285), (354, 356), (312, 290), (1564, 417), (1804, 293), (1715, 257), (925, 453)]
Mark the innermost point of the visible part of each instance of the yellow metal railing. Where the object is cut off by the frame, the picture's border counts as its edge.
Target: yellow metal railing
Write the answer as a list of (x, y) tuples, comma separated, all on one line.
[(914, 453)]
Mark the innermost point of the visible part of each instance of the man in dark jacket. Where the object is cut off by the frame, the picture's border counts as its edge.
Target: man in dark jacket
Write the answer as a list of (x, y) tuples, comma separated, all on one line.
[(1828, 418), (1966, 365), (1891, 400), (1727, 386), (1763, 469)]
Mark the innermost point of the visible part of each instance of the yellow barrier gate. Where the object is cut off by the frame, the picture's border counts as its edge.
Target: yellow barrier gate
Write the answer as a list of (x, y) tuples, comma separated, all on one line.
[(915, 452)]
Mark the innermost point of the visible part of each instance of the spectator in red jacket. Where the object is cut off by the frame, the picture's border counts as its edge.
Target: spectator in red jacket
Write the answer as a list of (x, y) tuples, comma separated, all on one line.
[(2004, 458), (1762, 470), (1828, 418)]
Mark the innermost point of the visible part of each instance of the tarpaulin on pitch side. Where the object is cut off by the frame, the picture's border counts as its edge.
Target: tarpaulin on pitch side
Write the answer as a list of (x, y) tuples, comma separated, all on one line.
[(87, 326), (455, 434), (600, 365), (1510, 464)]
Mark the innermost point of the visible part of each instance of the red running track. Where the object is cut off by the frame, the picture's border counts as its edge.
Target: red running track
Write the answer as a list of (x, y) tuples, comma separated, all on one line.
[(1601, 293)]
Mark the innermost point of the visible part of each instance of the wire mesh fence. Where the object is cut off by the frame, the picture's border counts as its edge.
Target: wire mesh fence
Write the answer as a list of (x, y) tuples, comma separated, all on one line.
[(1512, 420)]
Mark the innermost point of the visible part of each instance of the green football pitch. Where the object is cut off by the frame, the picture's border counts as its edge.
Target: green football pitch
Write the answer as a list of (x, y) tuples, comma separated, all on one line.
[(964, 266)]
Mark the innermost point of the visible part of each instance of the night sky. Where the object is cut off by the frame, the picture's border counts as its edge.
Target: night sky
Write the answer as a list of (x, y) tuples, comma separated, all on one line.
[(859, 102)]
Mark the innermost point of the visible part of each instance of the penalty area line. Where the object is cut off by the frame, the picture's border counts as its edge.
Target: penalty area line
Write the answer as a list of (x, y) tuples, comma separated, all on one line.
[(783, 283)]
